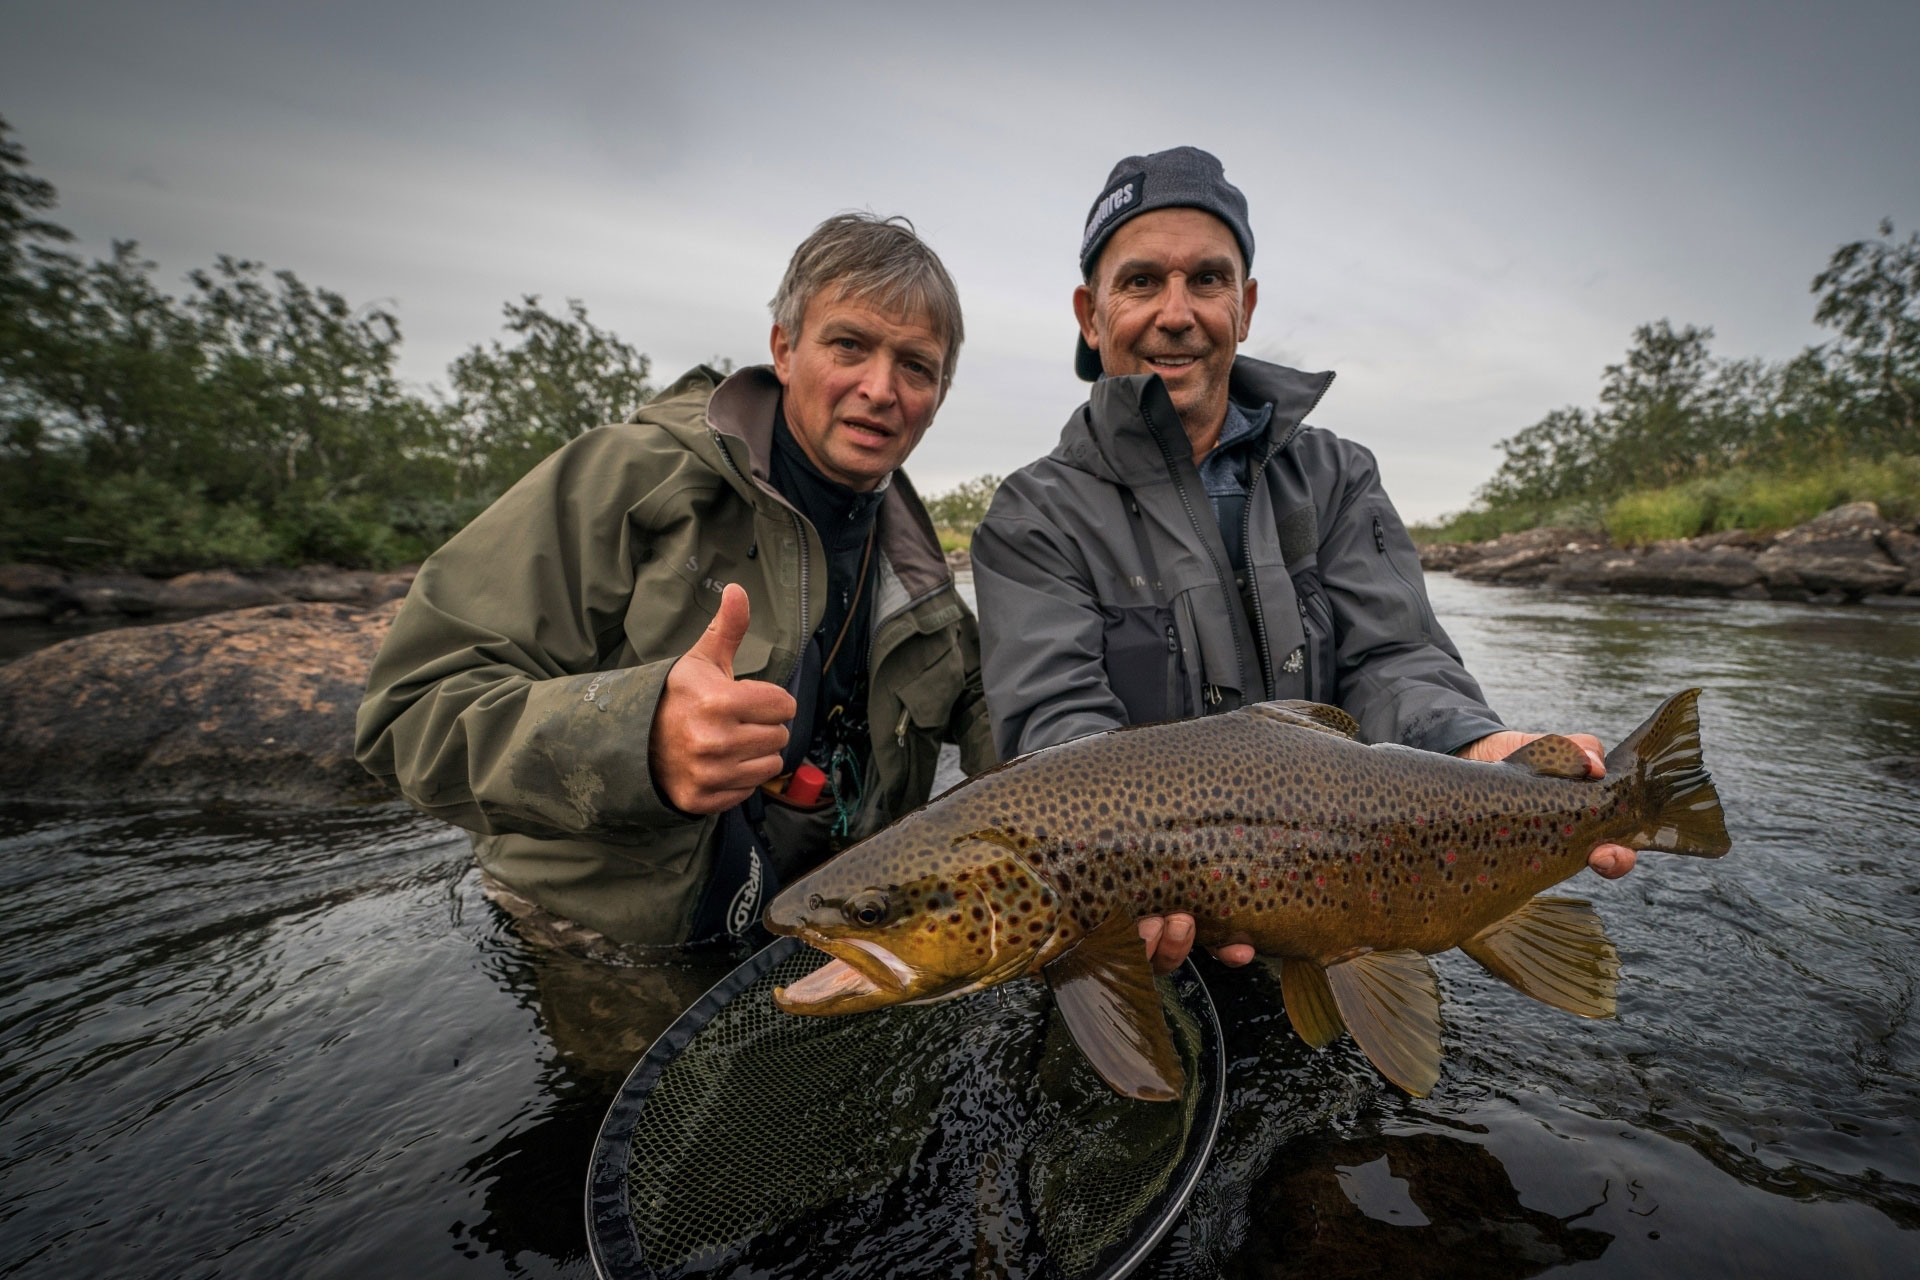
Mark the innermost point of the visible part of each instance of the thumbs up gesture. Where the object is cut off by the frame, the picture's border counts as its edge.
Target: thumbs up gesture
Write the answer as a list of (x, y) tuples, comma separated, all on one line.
[(714, 738)]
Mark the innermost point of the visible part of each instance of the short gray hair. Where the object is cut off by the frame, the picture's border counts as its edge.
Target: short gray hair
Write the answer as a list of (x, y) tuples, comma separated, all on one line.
[(875, 259)]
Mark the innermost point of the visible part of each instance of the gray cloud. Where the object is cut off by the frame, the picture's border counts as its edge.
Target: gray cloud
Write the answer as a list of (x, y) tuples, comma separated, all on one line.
[(1465, 209)]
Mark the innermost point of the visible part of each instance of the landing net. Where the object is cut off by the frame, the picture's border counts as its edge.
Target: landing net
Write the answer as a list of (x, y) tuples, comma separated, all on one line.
[(968, 1137)]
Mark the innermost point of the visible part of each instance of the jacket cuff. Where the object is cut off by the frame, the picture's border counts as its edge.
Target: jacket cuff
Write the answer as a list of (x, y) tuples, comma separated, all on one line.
[(1454, 730)]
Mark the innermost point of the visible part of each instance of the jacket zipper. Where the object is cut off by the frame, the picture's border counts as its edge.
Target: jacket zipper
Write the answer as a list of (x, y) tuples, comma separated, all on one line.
[(800, 536), (1260, 614), (1260, 637), (1225, 579)]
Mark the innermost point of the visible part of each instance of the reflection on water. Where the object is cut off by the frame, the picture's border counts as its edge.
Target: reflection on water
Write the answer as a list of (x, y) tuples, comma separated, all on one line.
[(279, 1044)]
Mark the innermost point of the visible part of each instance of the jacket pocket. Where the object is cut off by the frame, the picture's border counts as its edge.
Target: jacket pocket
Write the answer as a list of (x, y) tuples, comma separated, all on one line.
[(1316, 619), (1146, 663), (906, 745)]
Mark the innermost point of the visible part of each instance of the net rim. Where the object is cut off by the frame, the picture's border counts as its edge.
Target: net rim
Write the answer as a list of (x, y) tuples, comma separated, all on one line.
[(612, 1244)]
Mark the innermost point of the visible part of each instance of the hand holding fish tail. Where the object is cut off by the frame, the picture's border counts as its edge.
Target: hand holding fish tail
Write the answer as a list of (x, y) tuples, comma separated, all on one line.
[(1610, 861)]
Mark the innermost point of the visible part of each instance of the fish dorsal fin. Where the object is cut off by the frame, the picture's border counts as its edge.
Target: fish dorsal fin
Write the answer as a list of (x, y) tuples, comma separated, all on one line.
[(1309, 1001), (1391, 1003), (1105, 989), (1309, 715), (1552, 755), (1555, 950)]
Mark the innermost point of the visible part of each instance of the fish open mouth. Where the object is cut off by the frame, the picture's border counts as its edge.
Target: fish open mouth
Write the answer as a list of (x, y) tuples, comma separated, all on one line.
[(861, 975)]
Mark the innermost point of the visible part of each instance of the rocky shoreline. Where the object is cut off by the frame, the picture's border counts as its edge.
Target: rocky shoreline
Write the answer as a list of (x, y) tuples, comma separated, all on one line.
[(36, 593), (1849, 555)]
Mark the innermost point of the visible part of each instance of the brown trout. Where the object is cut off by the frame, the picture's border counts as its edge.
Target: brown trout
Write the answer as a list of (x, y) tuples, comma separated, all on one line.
[(1345, 865)]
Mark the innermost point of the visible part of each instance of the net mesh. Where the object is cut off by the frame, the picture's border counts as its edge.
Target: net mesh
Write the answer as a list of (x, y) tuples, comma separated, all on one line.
[(965, 1137)]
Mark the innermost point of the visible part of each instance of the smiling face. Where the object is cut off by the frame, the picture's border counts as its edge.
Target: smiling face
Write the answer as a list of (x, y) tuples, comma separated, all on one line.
[(1169, 295), (861, 385)]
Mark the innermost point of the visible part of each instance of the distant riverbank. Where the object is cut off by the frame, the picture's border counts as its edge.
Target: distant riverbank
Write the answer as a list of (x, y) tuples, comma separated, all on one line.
[(1849, 555)]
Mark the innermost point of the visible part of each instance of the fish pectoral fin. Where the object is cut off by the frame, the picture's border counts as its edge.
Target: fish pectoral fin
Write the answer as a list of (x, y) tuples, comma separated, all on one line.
[(1106, 992), (1553, 755), (1309, 1000), (1555, 950), (1391, 1003), (1309, 715)]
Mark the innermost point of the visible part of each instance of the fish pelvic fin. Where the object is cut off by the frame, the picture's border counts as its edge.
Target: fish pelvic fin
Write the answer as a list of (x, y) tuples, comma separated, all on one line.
[(1309, 715), (1309, 1000), (1104, 987), (1683, 809), (1555, 950), (1391, 1003), (1553, 755)]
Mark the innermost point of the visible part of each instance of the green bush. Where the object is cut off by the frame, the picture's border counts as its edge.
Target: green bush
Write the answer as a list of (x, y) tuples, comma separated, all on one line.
[(1654, 515), (137, 522)]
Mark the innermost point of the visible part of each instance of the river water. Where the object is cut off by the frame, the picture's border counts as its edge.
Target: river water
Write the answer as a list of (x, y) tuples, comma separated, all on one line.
[(288, 1043)]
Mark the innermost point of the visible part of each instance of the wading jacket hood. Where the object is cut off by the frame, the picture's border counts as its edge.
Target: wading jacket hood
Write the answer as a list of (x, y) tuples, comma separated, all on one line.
[(516, 693), (1108, 597)]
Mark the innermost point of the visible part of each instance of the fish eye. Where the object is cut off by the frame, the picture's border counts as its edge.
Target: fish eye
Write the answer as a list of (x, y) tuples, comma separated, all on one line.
[(866, 909)]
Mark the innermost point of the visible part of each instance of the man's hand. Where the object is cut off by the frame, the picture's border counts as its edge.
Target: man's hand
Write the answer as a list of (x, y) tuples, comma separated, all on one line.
[(1170, 937), (714, 738), (1609, 860)]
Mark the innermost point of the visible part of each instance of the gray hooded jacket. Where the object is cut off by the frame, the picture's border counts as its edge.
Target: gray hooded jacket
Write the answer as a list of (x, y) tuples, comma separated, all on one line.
[(1107, 596)]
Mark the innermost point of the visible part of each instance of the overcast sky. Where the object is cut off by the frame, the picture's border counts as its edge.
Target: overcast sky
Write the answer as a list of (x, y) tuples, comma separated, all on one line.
[(1464, 209)]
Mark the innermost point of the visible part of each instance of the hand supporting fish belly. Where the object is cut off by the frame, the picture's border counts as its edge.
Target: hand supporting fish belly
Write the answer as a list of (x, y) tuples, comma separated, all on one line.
[(1345, 865)]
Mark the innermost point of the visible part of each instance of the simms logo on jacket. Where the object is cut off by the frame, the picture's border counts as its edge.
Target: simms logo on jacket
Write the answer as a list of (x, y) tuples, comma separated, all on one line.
[(1122, 195)]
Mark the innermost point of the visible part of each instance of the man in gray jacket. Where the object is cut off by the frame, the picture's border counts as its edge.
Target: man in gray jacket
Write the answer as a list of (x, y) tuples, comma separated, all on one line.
[(1191, 545)]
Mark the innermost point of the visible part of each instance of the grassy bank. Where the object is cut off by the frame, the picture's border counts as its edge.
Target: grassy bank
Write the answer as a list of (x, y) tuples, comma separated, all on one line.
[(1763, 501)]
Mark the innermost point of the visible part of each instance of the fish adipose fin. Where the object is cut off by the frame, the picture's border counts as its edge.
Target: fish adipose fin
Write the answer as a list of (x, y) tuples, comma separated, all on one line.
[(1309, 1000), (1391, 1003), (1309, 715), (1552, 755), (1555, 950), (1664, 754), (1105, 989)]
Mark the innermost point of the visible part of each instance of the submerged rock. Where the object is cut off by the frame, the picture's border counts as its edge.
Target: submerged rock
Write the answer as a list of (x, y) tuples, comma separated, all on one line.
[(252, 706)]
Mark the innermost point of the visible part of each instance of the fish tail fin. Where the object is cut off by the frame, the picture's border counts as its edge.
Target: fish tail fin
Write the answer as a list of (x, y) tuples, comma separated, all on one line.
[(1661, 759)]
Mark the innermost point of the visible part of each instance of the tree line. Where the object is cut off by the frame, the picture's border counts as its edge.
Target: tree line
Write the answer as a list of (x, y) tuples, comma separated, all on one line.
[(1684, 441), (254, 418)]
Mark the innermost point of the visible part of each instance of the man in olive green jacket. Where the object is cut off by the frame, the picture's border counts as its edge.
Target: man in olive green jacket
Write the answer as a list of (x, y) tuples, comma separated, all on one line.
[(596, 677)]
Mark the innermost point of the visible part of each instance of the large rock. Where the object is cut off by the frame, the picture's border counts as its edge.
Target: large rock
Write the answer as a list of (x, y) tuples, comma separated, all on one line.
[(1840, 552), (249, 706), (1674, 568), (1530, 556), (212, 591)]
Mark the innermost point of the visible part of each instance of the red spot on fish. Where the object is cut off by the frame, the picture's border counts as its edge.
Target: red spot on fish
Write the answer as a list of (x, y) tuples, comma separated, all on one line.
[(1568, 831), (1293, 875), (1166, 875), (1503, 831), (1374, 894), (1414, 876), (1321, 881), (1263, 882), (1216, 873), (1482, 877), (1449, 855)]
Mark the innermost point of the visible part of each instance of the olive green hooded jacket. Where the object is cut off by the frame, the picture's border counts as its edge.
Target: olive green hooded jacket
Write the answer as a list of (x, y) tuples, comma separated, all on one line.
[(515, 694)]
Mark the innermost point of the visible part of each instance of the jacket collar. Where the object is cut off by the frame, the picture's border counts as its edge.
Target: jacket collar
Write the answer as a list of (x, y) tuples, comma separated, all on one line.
[(742, 410), (1128, 425)]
